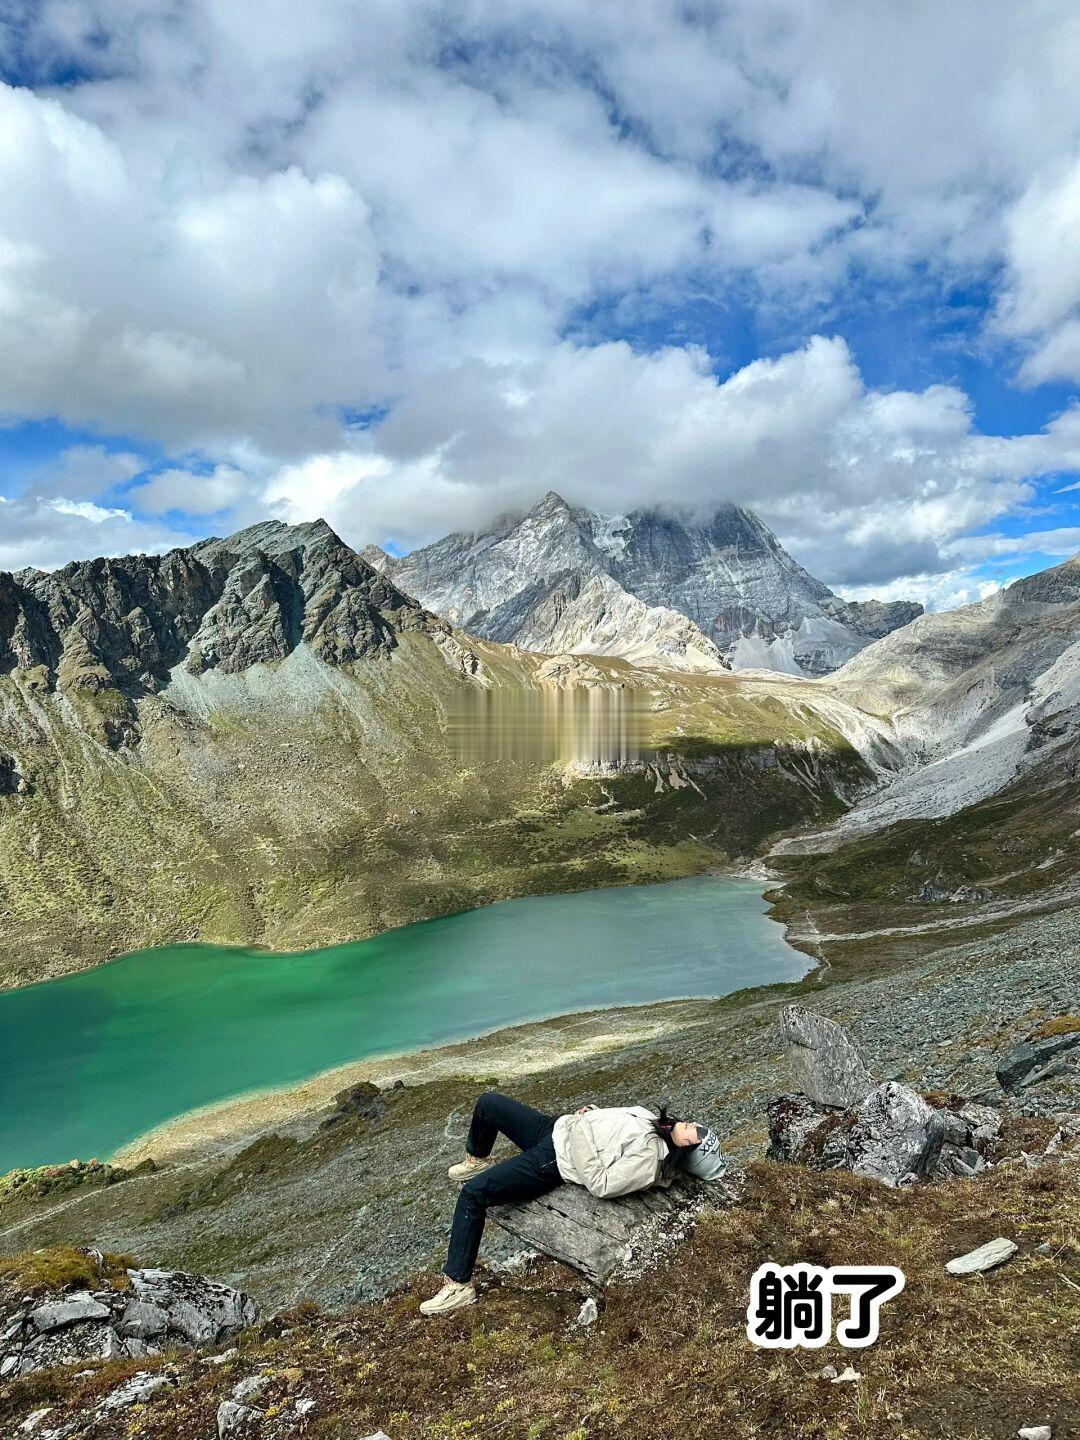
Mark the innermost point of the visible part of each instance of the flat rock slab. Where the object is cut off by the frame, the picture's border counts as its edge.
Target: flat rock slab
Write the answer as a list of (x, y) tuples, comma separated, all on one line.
[(55, 1314), (596, 1237), (994, 1252)]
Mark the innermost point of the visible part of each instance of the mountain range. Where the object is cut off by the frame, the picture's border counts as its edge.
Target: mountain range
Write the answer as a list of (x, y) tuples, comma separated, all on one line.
[(653, 586), (253, 739), (257, 739)]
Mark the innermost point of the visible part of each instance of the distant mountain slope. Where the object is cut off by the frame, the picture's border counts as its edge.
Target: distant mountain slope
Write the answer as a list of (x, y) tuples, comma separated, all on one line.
[(974, 698), (729, 576), (119, 626), (260, 739), (979, 822)]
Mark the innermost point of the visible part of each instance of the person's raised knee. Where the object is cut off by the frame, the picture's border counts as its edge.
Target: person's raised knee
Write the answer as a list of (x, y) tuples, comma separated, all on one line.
[(474, 1193)]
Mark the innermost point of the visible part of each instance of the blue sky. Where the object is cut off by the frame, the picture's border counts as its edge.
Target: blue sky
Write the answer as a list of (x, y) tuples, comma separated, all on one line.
[(410, 265)]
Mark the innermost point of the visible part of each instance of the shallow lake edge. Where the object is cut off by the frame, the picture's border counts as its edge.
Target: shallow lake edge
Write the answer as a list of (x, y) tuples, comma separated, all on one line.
[(227, 1125)]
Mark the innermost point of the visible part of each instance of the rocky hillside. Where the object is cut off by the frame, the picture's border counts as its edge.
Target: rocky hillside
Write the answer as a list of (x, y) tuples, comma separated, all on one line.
[(974, 698), (973, 822), (320, 1213), (657, 587), (251, 740)]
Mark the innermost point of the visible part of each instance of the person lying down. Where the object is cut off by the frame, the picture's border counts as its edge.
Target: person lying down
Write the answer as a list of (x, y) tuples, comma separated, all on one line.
[(608, 1151)]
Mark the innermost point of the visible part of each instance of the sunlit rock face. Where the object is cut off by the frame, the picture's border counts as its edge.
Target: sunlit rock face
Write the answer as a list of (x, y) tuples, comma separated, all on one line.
[(657, 588), (122, 623)]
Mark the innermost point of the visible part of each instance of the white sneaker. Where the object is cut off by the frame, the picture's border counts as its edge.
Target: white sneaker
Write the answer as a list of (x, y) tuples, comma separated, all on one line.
[(452, 1296), (470, 1166)]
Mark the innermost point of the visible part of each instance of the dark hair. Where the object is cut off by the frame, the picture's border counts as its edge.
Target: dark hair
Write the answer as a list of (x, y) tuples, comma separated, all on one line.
[(677, 1155)]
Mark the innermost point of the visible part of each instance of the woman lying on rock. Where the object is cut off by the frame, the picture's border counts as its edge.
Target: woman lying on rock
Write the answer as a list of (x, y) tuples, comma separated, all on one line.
[(609, 1152)]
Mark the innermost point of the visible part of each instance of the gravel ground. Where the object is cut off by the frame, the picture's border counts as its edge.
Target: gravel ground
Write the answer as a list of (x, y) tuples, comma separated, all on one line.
[(346, 1213)]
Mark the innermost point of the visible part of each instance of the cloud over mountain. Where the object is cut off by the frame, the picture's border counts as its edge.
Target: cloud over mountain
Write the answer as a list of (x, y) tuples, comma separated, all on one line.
[(424, 262)]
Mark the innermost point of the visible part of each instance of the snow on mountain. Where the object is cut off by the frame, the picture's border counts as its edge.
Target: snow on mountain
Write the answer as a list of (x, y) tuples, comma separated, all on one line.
[(725, 587), (972, 699)]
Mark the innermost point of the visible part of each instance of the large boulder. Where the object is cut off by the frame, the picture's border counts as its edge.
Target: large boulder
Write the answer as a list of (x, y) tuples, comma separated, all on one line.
[(843, 1120), (826, 1064), (885, 1136), (163, 1309), (603, 1238)]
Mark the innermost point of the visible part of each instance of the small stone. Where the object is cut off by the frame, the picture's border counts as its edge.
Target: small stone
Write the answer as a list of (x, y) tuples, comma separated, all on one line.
[(986, 1257), (222, 1359), (136, 1391), (250, 1388), (234, 1419), (587, 1313), (8, 1364), (1044, 1249), (304, 1407), (1034, 1432), (33, 1420), (828, 1373), (847, 1374)]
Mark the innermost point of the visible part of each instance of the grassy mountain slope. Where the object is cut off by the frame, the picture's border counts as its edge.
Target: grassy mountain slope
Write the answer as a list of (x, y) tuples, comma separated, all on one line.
[(299, 803), (668, 1355)]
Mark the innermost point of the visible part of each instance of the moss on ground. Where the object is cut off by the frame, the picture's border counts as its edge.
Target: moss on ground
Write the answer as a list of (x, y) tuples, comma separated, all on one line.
[(62, 1267)]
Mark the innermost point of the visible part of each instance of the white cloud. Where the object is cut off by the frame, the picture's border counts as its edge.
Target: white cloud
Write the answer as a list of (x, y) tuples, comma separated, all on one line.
[(194, 493), (1059, 543), (83, 470), (177, 304), (1042, 297), (253, 216), (47, 532), (863, 486), (946, 591)]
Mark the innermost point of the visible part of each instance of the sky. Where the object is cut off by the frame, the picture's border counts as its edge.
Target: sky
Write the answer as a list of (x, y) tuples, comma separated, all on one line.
[(407, 265)]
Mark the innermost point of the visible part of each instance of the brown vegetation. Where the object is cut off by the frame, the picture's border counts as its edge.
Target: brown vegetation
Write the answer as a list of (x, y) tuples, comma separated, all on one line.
[(975, 1357)]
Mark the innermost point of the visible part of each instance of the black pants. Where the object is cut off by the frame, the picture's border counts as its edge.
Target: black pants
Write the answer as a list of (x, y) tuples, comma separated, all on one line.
[(522, 1177)]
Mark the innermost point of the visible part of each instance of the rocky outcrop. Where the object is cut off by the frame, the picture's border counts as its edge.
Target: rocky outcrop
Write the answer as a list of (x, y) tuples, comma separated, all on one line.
[(826, 1065), (842, 1119), (595, 616), (892, 1135), (873, 618), (10, 779), (1039, 1059), (161, 1310), (115, 628), (660, 587)]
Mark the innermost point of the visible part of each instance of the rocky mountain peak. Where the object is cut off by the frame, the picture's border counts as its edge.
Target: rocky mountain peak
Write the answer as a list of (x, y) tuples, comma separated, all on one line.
[(1058, 586), (122, 624), (658, 583)]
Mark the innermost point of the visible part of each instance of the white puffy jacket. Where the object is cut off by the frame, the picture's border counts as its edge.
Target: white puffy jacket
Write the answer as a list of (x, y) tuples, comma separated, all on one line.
[(610, 1152)]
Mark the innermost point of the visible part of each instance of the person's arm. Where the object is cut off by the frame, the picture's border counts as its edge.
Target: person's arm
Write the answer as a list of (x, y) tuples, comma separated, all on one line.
[(634, 1169)]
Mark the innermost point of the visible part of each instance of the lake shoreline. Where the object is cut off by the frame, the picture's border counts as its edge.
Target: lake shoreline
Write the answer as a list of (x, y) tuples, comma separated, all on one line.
[(691, 939), (513, 1050)]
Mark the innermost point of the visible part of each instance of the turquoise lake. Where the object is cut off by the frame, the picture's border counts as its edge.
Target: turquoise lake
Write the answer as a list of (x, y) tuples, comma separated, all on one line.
[(91, 1061)]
